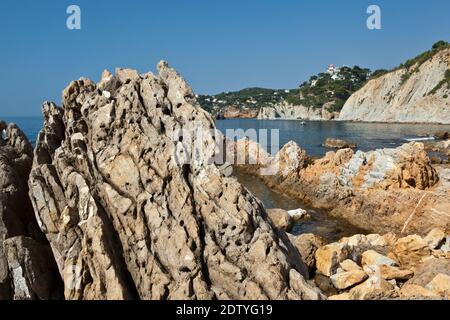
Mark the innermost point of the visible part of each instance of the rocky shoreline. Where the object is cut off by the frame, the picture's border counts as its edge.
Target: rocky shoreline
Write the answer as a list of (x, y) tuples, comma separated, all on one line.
[(102, 209), (388, 190)]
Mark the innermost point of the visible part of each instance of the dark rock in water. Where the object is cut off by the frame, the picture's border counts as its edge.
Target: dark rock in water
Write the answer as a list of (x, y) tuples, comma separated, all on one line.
[(125, 220), (25, 262), (338, 144), (444, 135), (436, 160)]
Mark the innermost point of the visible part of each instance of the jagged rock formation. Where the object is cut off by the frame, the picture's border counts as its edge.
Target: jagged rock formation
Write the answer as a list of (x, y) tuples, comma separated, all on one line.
[(126, 220), (381, 191), (27, 268), (417, 94)]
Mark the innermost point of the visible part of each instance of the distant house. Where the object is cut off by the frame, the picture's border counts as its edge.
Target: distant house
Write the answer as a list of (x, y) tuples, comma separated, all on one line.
[(334, 72), (332, 69)]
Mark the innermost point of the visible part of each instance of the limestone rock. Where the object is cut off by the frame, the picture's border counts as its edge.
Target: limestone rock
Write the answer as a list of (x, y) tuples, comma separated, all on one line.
[(373, 288), (27, 270), (429, 269), (280, 218), (372, 190), (435, 238), (349, 265), (410, 250), (330, 256), (288, 111), (347, 279), (372, 257), (341, 297), (416, 291), (289, 160), (390, 99), (298, 214), (131, 214), (307, 245), (388, 272), (440, 285), (33, 271)]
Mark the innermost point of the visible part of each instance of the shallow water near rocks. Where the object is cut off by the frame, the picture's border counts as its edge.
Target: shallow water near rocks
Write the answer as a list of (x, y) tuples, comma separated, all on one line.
[(321, 224)]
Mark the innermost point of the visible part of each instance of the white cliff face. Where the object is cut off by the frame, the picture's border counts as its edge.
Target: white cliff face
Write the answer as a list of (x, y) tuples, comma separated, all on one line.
[(387, 99), (291, 112)]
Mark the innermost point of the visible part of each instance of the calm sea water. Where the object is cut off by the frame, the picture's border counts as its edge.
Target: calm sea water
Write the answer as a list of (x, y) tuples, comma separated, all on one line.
[(367, 136)]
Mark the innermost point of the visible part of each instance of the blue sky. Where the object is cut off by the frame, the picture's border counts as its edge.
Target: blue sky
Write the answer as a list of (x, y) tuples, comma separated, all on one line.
[(217, 45)]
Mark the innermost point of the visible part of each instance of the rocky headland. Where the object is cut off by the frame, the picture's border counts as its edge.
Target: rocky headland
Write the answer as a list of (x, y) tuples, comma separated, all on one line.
[(419, 92)]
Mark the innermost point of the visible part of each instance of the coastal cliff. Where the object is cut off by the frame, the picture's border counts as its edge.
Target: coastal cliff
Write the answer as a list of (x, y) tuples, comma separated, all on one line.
[(293, 112), (412, 93)]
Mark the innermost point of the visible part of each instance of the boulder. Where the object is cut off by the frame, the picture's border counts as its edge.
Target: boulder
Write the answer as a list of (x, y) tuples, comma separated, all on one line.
[(410, 250), (386, 240), (298, 214), (373, 288), (391, 273), (372, 257), (288, 161), (280, 219), (347, 279), (349, 265), (428, 270), (417, 292), (338, 144), (442, 135), (132, 201), (440, 285), (329, 257), (435, 238), (307, 245), (341, 297)]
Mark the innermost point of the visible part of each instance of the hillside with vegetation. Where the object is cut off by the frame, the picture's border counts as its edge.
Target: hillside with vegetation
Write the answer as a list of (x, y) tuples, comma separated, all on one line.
[(250, 98), (328, 88)]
